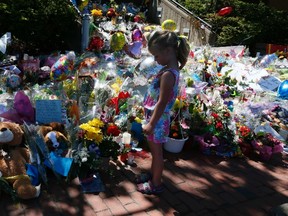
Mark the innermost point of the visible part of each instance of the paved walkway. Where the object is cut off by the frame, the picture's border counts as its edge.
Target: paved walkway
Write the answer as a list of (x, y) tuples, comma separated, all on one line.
[(195, 185)]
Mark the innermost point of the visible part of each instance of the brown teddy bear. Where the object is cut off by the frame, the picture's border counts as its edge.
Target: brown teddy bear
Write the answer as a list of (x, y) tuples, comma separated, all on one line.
[(55, 138), (13, 158)]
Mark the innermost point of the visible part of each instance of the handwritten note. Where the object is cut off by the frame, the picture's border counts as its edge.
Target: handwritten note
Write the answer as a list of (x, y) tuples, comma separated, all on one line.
[(48, 111), (269, 83)]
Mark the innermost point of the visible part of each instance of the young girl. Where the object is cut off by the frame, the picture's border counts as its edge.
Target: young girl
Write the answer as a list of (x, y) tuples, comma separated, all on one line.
[(170, 51)]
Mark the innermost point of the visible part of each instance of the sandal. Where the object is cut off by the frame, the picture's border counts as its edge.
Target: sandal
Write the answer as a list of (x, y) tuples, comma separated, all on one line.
[(149, 188), (142, 177)]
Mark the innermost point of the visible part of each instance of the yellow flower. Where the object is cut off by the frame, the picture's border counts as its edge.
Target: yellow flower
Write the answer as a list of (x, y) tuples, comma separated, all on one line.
[(93, 130), (96, 12), (85, 126), (96, 123), (178, 104), (117, 85), (95, 135)]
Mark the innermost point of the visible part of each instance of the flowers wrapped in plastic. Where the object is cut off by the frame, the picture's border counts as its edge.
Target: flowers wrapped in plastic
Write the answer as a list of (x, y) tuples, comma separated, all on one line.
[(267, 145)]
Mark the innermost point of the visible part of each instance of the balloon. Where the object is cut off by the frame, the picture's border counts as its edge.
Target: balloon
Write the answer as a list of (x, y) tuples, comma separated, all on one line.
[(225, 11), (13, 81), (117, 41), (134, 49), (138, 18), (137, 35), (283, 90), (111, 12), (169, 25), (63, 67)]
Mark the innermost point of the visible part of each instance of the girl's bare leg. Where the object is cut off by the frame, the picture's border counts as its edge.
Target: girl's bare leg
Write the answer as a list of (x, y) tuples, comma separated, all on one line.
[(157, 165)]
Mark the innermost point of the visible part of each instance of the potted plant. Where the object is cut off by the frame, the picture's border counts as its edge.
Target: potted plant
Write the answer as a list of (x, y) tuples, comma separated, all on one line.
[(178, 128)]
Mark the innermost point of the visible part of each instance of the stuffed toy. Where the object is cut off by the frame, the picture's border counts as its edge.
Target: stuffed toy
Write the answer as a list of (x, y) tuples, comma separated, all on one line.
[(58, 145), (55, 138), (13, 159)]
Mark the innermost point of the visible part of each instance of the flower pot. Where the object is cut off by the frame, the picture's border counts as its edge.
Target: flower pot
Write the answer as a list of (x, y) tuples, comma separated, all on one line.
[(174, 145)]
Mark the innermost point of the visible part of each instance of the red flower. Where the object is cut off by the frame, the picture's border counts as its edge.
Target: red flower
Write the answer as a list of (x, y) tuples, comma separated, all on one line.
[(215, 115), (227, 114), (113, 130), (96, 43), (219, 125), (244, 130)]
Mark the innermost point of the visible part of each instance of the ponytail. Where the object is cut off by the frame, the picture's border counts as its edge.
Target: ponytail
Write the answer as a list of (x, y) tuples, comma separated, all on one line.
[(163, 39), (183, 50)]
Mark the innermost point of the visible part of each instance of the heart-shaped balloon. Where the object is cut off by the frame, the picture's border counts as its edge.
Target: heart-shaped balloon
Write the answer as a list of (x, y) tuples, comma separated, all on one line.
[(134, 49), (137, 35)]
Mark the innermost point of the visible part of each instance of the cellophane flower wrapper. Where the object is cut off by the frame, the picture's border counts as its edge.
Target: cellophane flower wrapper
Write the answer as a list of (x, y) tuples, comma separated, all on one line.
[(207, 143), (22, 110), (103, 92), (147, 67), (42, 92), (88, 66), (52, 59), (30, 65)]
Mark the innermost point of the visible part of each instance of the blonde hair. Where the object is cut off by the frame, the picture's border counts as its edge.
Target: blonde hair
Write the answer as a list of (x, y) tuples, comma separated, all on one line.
[(164, 39)]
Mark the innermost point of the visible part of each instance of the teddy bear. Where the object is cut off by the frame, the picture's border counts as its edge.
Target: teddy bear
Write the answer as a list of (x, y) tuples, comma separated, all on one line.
[(14, 156), (55, 137)]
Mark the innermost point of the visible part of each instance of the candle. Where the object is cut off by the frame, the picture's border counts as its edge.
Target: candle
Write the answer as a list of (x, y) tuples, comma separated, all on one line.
[(126, 139)]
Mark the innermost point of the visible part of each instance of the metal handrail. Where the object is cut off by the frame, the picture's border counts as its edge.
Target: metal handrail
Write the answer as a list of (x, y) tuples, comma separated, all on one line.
[(190, 13)]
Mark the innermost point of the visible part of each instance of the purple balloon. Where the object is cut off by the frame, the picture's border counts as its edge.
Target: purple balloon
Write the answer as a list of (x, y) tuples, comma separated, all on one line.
[(137, 35), (134, 49)]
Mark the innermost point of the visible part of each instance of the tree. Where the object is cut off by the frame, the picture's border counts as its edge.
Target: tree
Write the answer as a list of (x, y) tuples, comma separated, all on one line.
[(251, 21), (40, 26)]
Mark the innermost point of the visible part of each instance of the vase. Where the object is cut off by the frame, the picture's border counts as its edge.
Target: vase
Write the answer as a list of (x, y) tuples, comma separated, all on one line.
[(174, 145)]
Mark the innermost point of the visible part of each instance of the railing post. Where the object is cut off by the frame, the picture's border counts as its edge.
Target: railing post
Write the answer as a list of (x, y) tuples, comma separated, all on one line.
[(85, 32)]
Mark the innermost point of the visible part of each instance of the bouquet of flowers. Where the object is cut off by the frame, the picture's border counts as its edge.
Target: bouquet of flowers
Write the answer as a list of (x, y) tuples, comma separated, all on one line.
[(180, 116), (245, 137), (221, 124), (266, 144), (95, 142)]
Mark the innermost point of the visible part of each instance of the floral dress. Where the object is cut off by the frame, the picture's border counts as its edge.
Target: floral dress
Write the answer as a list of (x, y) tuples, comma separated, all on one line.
[(151, 97)]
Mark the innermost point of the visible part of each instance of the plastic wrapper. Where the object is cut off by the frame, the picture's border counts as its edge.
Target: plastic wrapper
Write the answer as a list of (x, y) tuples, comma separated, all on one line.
[(23, 111)]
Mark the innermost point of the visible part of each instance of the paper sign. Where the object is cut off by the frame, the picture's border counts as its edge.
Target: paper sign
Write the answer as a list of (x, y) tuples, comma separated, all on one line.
[(48, 111), (269, 83)]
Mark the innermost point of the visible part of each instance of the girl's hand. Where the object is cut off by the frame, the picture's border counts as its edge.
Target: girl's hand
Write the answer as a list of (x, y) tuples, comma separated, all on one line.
[(147, 129)]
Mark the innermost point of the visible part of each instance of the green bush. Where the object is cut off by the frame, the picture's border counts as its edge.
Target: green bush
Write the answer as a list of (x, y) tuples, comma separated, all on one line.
[(250, 22), (40, 26)]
